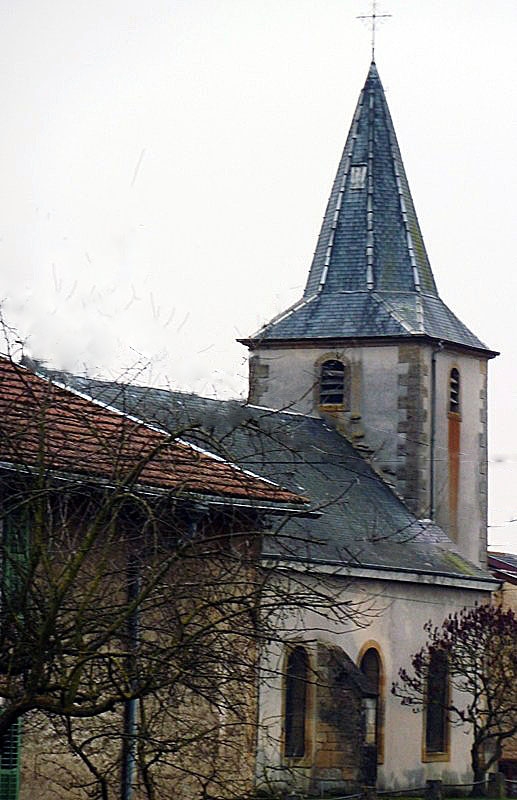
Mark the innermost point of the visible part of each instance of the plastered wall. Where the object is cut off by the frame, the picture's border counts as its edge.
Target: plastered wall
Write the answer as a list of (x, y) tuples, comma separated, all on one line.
[(397, 613), (389, 417)]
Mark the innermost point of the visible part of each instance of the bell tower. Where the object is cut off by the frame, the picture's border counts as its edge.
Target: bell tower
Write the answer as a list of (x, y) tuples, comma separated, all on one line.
[(372, 348)]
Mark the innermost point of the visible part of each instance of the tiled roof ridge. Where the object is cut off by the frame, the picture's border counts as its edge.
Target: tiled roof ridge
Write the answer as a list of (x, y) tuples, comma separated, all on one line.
[(392, 312), (106, 406), (276, 411), (303, 301), (85, 435)]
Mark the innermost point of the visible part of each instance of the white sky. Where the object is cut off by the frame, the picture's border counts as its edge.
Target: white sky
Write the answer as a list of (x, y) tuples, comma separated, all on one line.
[(165, 166)]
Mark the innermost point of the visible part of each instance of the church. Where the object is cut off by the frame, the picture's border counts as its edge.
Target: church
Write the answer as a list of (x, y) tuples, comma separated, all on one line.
[(368, 397), (373, 352)]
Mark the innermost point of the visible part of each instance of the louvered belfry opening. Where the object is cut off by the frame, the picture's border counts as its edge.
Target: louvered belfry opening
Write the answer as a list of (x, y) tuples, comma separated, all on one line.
[(332, 383), (454, 391)]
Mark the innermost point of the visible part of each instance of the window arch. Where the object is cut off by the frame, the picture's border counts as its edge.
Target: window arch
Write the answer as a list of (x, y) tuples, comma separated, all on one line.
[(454, 391), (295, 714), (437, 698), (370, 666), (333, 383)]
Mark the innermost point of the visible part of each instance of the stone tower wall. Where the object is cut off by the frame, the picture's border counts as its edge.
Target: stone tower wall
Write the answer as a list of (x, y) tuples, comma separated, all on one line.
[(388, 417)]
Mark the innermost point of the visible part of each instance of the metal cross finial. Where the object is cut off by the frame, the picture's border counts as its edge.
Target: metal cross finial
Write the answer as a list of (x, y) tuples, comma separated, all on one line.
[(373, 17)]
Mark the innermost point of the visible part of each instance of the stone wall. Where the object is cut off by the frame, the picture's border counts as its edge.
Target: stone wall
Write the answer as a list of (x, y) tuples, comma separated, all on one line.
[(197, 644), (390, 419), (220, 763), (413, 462), (508, 598), (339, 729)]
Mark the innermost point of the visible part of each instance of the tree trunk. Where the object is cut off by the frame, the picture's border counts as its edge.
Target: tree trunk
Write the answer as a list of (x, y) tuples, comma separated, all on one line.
[(479, 785)]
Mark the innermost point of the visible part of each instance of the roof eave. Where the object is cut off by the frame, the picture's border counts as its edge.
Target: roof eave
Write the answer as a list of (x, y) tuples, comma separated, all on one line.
[(267, 506), (484, 583), (332, 341)]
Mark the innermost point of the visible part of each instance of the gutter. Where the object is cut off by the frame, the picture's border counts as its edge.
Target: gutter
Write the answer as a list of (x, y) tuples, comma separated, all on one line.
[(399, 574), (267, 506)]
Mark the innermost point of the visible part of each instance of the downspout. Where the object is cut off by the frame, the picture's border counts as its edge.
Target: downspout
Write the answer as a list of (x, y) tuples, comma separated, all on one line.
[(130, 706), (432, 501)]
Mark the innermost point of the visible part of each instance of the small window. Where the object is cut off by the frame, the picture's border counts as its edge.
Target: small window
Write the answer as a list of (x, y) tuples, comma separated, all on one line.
[(358, 177), (436, 720), (297, 674), (332, 383), (454, 391)]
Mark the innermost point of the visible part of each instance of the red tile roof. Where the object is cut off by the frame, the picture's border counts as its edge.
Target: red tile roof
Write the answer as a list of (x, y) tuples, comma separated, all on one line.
[(44, 423), (503, 566)]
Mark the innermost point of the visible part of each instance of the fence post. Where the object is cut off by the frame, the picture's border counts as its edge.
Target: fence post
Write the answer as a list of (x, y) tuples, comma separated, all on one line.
[(433, 790), (496, 784)]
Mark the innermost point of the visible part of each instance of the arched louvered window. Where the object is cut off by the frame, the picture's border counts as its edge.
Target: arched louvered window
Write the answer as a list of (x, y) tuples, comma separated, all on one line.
[(437, 694), (296, 683), (333, 383), (454, 391)]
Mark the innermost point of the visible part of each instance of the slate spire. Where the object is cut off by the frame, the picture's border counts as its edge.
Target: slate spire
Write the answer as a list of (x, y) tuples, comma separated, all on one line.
[(370, 275), (370, 237)]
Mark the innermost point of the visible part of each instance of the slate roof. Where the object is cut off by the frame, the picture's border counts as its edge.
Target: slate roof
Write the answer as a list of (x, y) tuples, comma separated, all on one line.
[(504, 566), (360, 522), (370, 275), (42, 424)]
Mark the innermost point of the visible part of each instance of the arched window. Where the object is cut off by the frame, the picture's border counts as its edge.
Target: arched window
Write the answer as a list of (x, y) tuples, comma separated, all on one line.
[(296, 683), (454, 391), (437, 695), (333, 387), (371, 667)]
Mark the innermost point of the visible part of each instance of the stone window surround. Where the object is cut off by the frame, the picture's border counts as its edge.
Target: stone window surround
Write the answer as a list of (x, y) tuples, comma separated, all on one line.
[(439, 755), (371, 644), (457, 399), (333, 355), (307, 759)]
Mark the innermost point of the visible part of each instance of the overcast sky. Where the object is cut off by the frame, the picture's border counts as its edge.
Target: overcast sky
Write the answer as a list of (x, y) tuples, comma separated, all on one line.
[(165, 166)]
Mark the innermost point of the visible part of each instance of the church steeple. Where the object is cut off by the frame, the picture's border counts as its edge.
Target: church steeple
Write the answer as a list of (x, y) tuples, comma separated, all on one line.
[(372, 348), (370, 275), (370, 237)]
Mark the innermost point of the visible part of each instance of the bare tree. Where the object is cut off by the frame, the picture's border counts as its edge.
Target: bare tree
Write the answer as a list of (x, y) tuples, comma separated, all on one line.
[(477, 650), (134, 598)]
